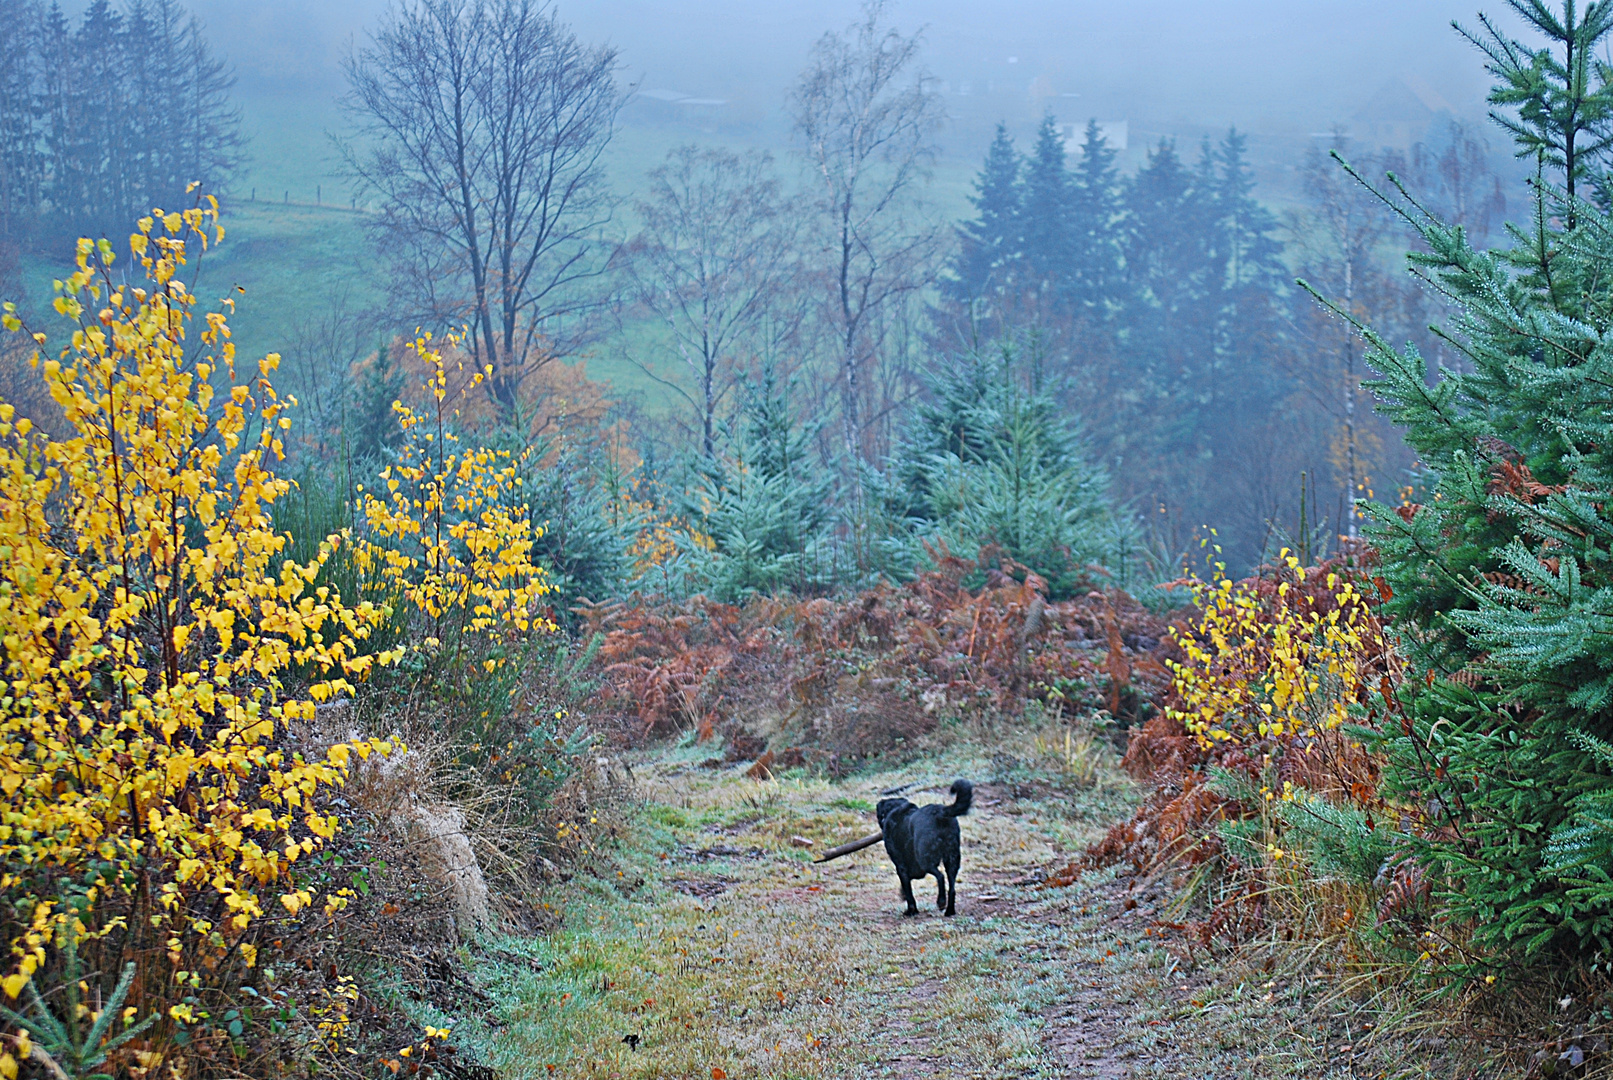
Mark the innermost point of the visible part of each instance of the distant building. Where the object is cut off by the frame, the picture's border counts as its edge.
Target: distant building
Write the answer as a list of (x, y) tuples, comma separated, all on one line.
[(1399, 114), (1114, 132)]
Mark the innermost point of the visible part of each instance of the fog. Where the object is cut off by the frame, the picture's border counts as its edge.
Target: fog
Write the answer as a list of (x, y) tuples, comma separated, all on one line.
[(1175, 67)]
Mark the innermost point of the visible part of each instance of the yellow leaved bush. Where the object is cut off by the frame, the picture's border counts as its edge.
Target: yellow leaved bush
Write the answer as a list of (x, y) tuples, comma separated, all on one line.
[(150, 620), (450, 529), (1275, 657)]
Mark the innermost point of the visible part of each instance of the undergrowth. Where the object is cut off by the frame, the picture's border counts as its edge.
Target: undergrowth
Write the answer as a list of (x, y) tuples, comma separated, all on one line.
[(1280, 851)]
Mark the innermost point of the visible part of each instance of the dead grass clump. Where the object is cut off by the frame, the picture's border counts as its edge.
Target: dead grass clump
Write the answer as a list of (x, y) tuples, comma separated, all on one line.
[(499, 794)]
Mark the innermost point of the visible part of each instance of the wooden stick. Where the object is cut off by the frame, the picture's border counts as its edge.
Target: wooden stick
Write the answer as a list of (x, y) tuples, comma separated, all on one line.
[(847, 849)]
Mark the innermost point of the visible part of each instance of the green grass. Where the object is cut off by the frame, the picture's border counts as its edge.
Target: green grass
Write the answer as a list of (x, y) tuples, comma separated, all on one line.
[(291, 260), (290, 155)]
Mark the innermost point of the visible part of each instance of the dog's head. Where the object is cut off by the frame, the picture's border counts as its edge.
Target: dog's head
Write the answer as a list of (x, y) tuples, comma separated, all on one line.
[(887, 807)]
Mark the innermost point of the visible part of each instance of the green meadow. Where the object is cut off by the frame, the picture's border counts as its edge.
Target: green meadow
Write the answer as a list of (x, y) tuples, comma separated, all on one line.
[(296, 244)]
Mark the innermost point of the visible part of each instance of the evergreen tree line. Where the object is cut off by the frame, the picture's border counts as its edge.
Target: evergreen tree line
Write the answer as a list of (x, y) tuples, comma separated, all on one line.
[(1212, 389), (105, 117)]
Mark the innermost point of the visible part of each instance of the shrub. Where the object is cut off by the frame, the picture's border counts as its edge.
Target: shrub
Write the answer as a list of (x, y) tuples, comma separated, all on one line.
[(1256, 770), (453, 533), (848, 673), (150, 619), (1266, 661), (164, 630)]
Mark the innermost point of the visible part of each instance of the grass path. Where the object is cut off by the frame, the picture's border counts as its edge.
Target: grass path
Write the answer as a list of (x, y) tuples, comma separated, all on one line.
[(706, 944)]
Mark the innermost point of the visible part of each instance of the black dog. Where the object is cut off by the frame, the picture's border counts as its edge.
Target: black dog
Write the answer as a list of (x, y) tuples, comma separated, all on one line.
[(922, 839)]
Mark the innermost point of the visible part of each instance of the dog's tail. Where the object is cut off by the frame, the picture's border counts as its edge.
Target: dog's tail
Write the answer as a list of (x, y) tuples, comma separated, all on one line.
[(963, 797)]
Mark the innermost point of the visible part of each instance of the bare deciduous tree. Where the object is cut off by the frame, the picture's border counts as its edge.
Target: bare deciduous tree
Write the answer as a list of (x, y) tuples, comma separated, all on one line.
[(867, 123), (1458, 181), (713, 265), (483, 123)]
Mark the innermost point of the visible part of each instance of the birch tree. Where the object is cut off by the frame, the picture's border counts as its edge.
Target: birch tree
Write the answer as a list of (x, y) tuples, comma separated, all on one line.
[(866, 123), (714, 264)]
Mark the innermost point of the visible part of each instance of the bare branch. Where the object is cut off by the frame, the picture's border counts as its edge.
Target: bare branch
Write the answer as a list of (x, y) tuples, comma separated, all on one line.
[(486, 121), (867, 125)]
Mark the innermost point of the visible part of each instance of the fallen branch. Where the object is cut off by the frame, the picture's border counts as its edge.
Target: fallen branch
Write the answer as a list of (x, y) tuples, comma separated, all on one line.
[(847, 849)]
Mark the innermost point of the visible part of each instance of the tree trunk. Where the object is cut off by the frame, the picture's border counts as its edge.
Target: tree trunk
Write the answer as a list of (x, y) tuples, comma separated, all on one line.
[(1351, 530)]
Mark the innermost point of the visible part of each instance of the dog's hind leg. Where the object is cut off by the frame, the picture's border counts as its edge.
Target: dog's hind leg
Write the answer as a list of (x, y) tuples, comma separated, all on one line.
[(940, 891), (951, 885), (907, 894)]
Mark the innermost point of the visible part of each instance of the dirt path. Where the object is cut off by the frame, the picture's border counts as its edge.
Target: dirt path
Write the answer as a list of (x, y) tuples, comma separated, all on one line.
[(711, 946)]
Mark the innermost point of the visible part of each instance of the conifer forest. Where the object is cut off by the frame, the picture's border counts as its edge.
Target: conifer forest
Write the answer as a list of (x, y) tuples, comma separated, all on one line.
[(512, 570)]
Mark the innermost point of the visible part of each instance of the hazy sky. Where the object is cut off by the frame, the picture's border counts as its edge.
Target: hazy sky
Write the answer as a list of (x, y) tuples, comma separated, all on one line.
[(1263, 64)]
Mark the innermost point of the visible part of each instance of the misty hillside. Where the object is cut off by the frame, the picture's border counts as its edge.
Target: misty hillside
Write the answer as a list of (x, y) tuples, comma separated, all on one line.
[(1280, 73)]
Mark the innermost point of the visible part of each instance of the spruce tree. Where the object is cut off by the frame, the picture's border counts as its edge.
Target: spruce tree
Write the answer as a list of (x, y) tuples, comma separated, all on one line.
[(1251, 254), (990, 459), (1561, 93), (1094, 227), (1500, 582), (579, 540), (92, 181), (110, 117), (1170, 241), (767, 511), (1175, 285), (777, 449), (371, 425), (1045, 213), (22, 167), (1246, 287), (989, 246)]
